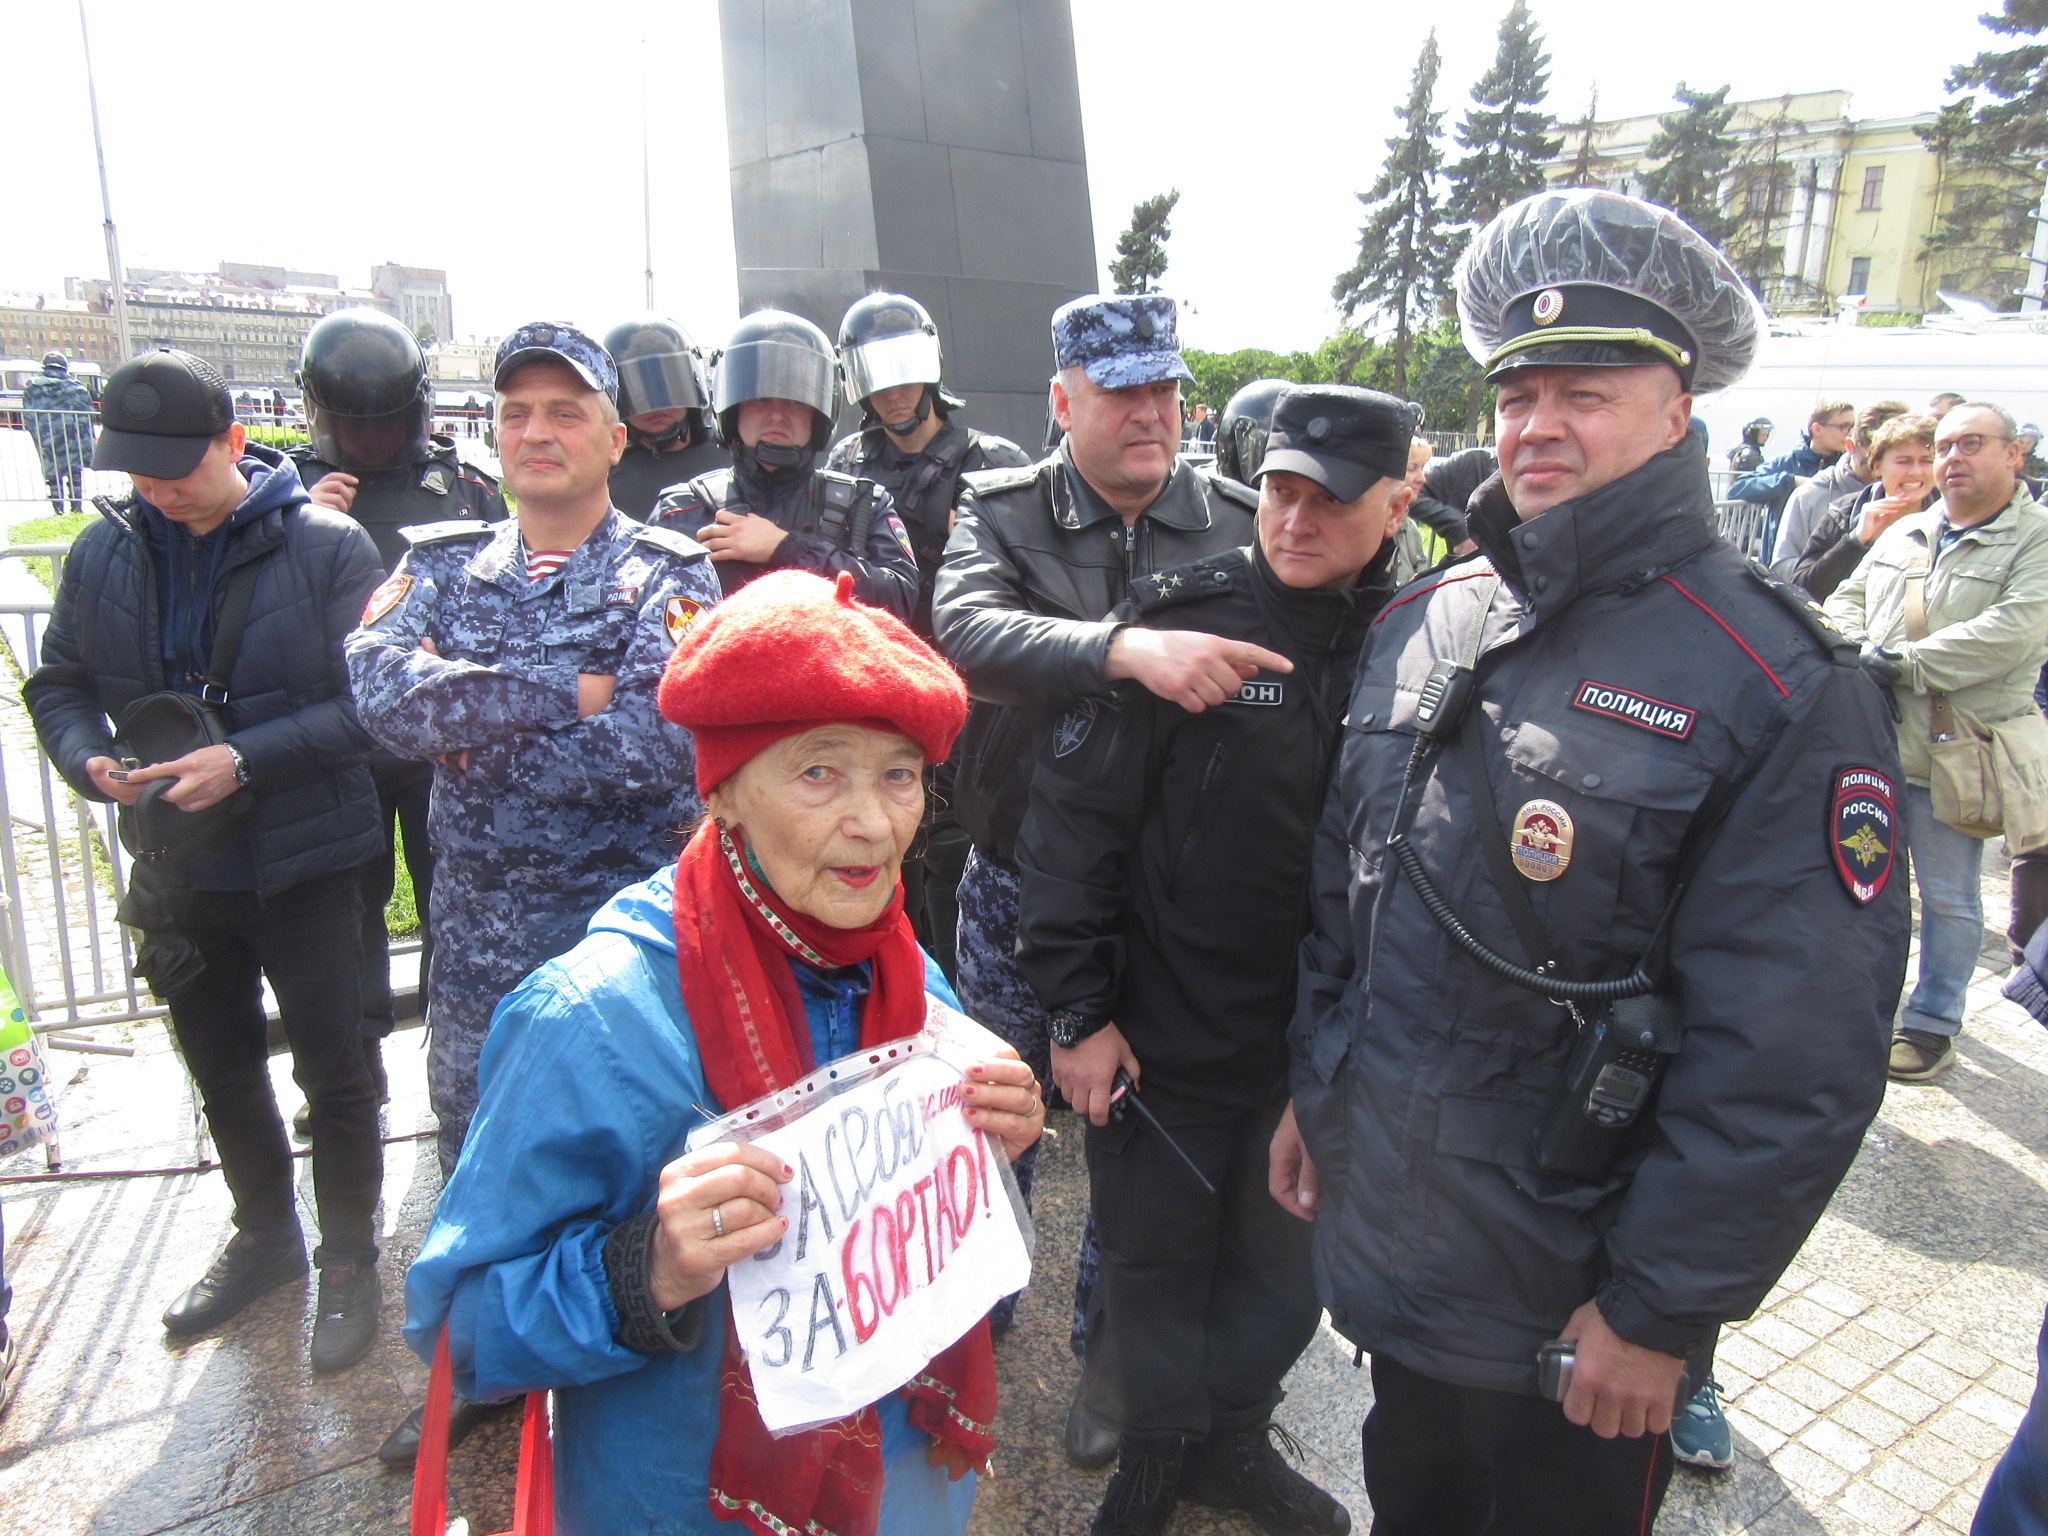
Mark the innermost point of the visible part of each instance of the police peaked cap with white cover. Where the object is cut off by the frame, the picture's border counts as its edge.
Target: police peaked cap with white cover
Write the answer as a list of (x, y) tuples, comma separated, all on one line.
[(1592, 279)]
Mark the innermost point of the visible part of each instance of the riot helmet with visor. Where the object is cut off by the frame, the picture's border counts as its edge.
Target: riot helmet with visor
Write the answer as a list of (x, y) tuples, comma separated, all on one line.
[(364, 379)]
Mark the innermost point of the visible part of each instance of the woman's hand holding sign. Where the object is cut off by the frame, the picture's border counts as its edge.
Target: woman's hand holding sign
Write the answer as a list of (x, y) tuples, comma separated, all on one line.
[(1002, 1098), (715, 1207)]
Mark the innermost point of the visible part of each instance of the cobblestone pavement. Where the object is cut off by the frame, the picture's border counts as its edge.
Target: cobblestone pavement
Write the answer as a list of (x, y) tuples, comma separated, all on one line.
[(1872, 1393)]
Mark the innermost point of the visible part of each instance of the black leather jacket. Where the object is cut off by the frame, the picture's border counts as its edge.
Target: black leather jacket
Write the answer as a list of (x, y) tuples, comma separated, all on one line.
[(1035, 564), (1635, 672)]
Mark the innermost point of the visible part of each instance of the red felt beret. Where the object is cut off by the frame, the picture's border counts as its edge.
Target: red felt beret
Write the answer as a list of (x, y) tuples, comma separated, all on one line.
[(789, 651)]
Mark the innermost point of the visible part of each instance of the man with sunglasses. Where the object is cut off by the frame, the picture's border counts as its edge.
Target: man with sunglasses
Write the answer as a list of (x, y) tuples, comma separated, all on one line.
[(1951, 608)]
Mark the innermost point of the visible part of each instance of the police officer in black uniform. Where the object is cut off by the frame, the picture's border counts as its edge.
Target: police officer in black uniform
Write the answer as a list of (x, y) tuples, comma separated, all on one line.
[(1241, 431), (1165, 863), (775, 508), (908, 442), (670, 434), (369, 411), (374, 454), (1609, 923)]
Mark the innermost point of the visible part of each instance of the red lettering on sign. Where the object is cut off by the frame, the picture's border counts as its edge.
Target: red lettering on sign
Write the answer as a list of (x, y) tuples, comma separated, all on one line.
[(863, 1325)]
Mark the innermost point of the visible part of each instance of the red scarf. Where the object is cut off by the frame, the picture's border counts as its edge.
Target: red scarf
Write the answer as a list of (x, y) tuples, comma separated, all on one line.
[(734, 945)]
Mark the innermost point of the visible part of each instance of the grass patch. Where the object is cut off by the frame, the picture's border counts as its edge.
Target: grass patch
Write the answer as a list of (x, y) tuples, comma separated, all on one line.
[(402, 913), (61, 528), (276, 437)]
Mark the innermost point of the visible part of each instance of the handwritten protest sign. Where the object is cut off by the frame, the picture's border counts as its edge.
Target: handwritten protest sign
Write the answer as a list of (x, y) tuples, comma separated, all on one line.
[(904, 1224)]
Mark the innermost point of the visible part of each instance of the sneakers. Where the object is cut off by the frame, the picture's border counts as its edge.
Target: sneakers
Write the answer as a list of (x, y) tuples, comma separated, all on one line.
[(345, 1324), (1920, 1057), (1244, 1470), (249, 1267), (1090, 1443), (1699, 1435), (1141, 1496)]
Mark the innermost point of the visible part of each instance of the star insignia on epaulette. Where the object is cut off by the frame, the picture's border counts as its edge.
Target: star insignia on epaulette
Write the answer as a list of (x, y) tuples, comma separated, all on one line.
[(1170, 583)]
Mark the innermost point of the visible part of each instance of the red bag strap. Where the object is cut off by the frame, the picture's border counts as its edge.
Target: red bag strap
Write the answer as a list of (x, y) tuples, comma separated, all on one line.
[(430, 1467), (533, 1502), (533, 1506)]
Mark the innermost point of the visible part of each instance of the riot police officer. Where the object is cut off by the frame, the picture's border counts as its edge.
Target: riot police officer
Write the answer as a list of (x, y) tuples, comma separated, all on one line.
[(1537, 1134), (1241, 431), (374, 454), (670, 434), (369, 411), (908, 442), (774, 508)]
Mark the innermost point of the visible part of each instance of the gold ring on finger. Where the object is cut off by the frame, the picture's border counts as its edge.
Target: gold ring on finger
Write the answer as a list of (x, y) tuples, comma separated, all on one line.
[(717, 1222)]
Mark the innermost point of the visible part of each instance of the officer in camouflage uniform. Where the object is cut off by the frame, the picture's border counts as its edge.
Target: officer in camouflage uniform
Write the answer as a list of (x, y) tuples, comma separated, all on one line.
[(670, 435), (910, 445), (1038, 558), (774, 509), (57, 410), (522, 658), (369, 410)]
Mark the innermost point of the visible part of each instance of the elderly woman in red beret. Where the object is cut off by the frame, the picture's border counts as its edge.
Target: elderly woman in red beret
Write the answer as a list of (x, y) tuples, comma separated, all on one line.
[(577, 1247)]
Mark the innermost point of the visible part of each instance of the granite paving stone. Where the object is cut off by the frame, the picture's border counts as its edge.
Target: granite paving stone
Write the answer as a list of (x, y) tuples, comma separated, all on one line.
[(1872, 1393)]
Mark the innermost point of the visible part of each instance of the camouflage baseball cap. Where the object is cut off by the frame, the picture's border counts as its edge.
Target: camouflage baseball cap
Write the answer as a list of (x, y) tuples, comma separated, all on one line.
[(540, 341), (1120, 340)]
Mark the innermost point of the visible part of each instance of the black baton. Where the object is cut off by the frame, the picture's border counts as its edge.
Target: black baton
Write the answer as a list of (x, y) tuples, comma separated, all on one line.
[(1124, 1094)]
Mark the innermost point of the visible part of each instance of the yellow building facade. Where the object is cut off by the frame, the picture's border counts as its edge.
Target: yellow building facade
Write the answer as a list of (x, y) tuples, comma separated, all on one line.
[(1835, 208)]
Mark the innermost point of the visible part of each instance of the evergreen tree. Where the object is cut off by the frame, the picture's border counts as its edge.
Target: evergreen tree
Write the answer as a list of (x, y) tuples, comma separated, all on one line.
[(1697, 152), (1506, 133), (1991, 157), (1403, 265), (1761, 214), (1141, 249), (1589, 168)]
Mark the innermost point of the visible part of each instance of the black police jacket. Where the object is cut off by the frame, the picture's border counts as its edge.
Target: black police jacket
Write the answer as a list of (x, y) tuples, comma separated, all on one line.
[(642, 474), (1035, 564), (925, 486), (1635, 672), (836, 523), (436, 489), (1165, 856)]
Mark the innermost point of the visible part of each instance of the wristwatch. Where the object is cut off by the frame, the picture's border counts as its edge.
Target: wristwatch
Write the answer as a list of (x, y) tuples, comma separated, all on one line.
[(241, 762), (1068, 1028)]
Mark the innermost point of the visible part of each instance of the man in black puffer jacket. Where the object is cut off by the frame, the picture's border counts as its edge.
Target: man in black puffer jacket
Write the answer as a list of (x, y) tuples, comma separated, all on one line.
[(275, 893)]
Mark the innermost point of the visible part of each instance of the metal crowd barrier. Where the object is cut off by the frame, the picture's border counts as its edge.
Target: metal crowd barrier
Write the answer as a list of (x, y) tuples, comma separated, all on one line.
[(1744, 524), (63, 870)]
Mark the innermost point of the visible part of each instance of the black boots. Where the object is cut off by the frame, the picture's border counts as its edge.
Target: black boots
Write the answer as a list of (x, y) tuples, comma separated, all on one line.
[(1243, 1469), (1090, 1443), (1142, 1494)]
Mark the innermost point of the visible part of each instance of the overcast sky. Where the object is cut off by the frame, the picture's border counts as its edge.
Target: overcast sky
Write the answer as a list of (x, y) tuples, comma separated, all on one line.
[(329, 138)]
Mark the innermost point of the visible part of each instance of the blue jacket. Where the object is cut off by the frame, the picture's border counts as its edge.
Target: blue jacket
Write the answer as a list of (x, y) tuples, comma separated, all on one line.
[(115, 635), (590, 1084), (1771, 483)]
